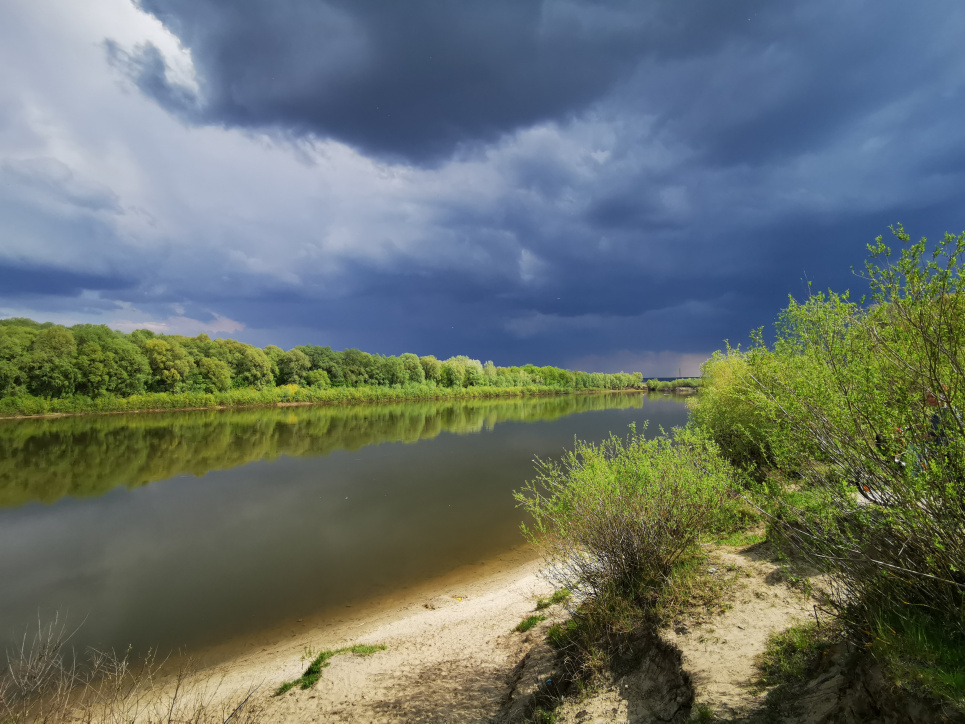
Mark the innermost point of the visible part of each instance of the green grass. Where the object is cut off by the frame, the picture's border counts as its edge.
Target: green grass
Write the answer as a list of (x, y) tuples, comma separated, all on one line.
[(692, 590), (314, 671), (791, 653), (543, 716), (527, 623), (922, 654), (559, 596), (602, 634), (744, 538), (559, 633)]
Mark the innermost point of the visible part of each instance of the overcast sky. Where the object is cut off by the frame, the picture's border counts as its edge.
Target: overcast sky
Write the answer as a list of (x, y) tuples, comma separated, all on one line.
[(597, 185)]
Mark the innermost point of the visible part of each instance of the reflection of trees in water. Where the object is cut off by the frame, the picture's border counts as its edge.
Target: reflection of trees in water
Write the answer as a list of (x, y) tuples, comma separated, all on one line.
[(47, 459)]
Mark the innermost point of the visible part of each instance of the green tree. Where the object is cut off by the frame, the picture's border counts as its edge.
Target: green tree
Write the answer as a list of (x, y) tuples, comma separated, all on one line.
[(252, 368), (15, 339), (451, 374), (275, 355), (394, 371), (326, 360), (413, 368), (215, 373), (94, 370), (50, 363), (108, 362), (431, 367), (472, 377), (318, 378), (169, 363), (357, 367), (293, 365)]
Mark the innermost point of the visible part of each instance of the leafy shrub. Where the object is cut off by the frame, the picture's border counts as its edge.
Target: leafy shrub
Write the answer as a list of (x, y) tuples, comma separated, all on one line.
[(732, 411), (622, 512), (841, 401)]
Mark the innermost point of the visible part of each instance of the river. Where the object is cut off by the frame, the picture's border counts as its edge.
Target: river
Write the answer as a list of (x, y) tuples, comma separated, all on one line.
[(181, 530)]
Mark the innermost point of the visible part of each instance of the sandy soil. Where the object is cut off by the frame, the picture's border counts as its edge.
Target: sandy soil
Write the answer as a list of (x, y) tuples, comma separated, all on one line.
[(716, 664), (719, 655), (452, 655)]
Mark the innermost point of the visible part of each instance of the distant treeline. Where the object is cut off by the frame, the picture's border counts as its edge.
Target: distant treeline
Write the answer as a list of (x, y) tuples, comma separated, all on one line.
[(655, 385), (46, 367)]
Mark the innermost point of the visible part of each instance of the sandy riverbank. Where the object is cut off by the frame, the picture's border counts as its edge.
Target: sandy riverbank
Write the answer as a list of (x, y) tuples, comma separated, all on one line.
[(452, 654), (450, 648)]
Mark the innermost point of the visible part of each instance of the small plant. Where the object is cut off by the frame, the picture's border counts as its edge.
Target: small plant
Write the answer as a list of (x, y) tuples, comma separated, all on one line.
[(920, 653), (314, 671), (559, 633), (559, 596), (692, 590), (543, 716), (789, 654), (527, 623), (744, 538)]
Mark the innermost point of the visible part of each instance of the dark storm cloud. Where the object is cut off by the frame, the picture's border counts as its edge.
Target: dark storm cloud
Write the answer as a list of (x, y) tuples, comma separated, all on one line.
[(522, 181), (19, 281), (810, 72), (147, 68), (417, 79)]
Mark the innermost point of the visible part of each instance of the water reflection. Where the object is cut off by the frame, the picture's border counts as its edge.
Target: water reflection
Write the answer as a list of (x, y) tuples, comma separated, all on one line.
[(298, 509), (47, 459)]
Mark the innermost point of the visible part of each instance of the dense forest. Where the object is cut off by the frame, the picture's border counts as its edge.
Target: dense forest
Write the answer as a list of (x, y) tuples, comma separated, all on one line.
[(93, 367)]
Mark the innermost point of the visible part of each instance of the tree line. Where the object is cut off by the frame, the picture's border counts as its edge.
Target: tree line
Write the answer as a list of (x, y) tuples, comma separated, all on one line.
[(50, 361)]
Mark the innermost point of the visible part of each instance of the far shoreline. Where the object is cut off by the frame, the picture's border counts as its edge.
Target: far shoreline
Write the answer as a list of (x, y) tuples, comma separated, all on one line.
[(511, 393)]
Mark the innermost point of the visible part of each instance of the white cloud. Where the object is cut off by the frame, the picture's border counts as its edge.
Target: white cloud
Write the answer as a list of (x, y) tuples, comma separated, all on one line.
[(183, 325)]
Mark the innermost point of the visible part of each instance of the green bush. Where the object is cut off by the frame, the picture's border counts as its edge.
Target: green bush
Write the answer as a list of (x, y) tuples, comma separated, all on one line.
[(622, 512), (732, 411), (873, 472)]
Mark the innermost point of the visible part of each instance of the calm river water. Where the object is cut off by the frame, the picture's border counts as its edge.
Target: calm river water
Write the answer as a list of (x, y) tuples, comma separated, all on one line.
[(180, 530)]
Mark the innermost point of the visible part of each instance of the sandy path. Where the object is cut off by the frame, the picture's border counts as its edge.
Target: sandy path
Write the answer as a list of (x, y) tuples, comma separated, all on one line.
[(720, 654), (717, 653)]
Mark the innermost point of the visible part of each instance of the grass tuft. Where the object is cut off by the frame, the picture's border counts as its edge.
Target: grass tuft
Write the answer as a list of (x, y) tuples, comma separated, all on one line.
[(314, 671), (702, 714), (527, 623), (921, 653), (44, 681), (791, 653), (559, 596)]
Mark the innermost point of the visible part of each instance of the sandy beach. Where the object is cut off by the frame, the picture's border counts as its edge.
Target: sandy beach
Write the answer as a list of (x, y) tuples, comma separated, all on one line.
[(452, 655), (450, 651)]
